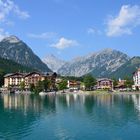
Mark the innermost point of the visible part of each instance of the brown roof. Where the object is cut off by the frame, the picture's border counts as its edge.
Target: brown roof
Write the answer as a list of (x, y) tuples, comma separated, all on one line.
[(33, 73), (13, 74), (27, 74), (104, 79)]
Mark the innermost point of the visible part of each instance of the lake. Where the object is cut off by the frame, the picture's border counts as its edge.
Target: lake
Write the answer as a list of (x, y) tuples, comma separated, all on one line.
[(70, 117)]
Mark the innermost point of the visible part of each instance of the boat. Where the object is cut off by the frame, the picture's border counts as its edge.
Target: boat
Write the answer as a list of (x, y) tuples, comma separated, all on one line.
[(22, 92), (42, 93), (47, 93)]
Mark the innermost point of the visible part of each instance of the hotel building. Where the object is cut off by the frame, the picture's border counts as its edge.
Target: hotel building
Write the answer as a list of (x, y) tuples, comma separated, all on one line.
[(105, 83), (13, 80), (136, 79)]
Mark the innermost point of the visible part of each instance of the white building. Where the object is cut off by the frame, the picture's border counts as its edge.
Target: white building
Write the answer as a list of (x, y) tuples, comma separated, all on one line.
[(136, 78)]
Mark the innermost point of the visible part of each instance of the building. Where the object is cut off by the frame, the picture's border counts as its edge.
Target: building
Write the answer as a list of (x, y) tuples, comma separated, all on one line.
[(13, 80), (105, 83), (73, 85), (136, 79), (33, 78), (120, 85)]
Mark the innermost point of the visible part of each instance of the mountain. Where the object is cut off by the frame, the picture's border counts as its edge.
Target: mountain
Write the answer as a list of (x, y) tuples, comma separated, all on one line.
[(9, 66), (100, 64), (127, 69), (53, 62), (13, 48)]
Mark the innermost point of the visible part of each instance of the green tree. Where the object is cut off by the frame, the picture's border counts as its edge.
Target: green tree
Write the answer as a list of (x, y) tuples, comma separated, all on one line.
[(2, 73), (62, 85), (22, 85), (46, 84), (39, 87), (115, 82), (89, 82), (129, 82), (32, 87), (137, 88)]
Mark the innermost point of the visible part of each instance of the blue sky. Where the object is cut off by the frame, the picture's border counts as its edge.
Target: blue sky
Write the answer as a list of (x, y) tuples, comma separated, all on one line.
[(70, 28)]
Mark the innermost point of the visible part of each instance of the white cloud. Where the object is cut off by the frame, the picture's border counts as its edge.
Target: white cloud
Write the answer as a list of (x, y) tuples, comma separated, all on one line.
[(127, 19), (64, 43), (94, 31), (3, 34), (19, 13), (46, 35), (7, 7)]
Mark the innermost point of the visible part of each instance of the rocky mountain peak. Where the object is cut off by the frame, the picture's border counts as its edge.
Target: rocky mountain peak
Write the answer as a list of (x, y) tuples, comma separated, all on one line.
[(53, 62), (13, 48), (99, 63), (107, 50), (11, 39)]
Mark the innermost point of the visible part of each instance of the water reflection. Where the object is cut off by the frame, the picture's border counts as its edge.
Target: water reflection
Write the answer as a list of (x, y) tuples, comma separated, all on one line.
[(136, 100), (21, 115), (38, 104)]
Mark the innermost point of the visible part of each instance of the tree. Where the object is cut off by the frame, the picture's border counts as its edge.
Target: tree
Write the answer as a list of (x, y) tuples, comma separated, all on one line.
[(89, 82), (137, 88), (39, 87), (62, 85), (46, 84), (2, 73), (129, 82), (32, 87), (73, 78), (115, 82), (22, 85)]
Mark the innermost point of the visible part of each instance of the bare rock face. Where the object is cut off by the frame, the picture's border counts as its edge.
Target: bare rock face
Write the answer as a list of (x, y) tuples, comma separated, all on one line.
[(100, 64), (53, 62), (13, 48), (127, 69)]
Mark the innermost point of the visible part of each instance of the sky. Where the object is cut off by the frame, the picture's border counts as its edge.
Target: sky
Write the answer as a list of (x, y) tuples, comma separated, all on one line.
[(71, 28)]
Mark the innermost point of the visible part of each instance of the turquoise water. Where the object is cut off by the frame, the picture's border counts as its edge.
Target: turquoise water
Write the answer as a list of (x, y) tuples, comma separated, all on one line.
[(70, 117)]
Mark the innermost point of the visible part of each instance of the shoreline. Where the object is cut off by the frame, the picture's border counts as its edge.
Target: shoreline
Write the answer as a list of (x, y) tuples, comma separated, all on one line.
[(80, 92), (99, 93)]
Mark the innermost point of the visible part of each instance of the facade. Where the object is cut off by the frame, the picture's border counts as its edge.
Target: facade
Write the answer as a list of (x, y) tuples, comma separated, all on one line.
[(13, 80), (73, 85), (105, 83), (120, 85), (121, 82), (33, 78), (136, 79)]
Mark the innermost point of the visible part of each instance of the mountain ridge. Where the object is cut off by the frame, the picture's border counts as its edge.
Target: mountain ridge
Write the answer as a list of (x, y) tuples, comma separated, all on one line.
[(53, 63), (127, 69), (9, 66), (104, 63), (99, 63), (13, 48)]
